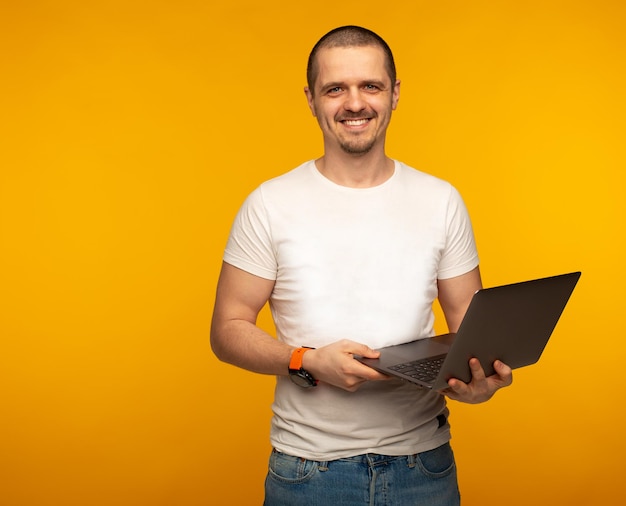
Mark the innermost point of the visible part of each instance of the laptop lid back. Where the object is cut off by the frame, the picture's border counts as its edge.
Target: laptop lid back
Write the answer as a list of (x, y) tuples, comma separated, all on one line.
[(511, 323)]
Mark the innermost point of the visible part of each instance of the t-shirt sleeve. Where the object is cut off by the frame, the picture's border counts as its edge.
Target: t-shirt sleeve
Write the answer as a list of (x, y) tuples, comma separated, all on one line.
[(249, 245), (460, 254)]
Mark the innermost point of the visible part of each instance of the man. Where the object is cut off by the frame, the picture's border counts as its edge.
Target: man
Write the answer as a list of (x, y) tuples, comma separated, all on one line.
[(351, 250)]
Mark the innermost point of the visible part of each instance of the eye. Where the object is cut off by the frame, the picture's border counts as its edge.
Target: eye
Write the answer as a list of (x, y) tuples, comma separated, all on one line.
[(334, 90), (371, 87)]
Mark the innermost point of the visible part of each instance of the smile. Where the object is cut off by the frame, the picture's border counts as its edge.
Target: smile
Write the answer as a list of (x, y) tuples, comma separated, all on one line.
[(355, 122)]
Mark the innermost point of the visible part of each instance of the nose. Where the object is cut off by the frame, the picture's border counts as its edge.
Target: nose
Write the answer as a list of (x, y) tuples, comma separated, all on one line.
[(354, 101)]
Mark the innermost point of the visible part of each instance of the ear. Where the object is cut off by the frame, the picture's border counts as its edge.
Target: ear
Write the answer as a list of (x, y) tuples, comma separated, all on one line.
[(396, 95), (310, 100)]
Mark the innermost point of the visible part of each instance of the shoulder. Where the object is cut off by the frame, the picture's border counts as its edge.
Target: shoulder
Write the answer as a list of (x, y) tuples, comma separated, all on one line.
[(276, 189), (291, 179), (426, 184)]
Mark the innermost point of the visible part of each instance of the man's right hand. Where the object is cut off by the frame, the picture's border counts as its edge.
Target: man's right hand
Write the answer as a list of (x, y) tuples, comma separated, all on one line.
[(335, 364)]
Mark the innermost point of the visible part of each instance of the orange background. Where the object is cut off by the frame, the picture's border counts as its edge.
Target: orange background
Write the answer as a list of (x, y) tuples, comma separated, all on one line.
[(130, 133)]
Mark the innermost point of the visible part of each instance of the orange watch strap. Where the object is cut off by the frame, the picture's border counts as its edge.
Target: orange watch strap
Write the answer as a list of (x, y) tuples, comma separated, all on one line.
[(296, 358)]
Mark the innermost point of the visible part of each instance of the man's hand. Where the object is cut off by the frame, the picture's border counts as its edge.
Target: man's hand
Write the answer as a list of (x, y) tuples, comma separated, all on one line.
[(481, 388), (335, 364)]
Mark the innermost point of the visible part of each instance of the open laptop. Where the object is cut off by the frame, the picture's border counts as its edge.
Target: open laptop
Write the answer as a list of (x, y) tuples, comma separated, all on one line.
[(511, 323)]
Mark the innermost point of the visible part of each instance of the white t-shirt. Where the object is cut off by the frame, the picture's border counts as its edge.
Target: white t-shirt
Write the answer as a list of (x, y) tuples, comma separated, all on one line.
[(359, 264)]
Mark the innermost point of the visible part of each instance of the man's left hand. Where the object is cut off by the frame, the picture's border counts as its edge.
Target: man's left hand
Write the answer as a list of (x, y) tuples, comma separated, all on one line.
[(481, 388)]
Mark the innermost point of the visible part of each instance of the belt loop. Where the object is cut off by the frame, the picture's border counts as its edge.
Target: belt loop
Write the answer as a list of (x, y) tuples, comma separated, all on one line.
[(411, 460)]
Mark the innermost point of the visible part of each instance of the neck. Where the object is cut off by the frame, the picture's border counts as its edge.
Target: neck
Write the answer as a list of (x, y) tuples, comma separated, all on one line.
[(356, 171)]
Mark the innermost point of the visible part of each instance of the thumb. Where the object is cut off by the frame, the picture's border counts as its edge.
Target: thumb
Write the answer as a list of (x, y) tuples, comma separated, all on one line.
[(366, 352)]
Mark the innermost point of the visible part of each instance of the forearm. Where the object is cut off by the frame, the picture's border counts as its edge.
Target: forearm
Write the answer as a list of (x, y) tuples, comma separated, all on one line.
[(243, 344)]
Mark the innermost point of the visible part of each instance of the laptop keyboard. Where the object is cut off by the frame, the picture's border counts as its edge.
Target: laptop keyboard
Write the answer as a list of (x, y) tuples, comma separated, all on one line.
[(425, 370)]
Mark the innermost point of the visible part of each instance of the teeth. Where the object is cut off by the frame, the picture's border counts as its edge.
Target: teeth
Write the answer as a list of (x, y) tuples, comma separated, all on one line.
[(355, 122)]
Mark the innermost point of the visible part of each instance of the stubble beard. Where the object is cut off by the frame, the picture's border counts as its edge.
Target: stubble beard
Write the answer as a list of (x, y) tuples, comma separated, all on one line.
[(357, 148), (354, 144)]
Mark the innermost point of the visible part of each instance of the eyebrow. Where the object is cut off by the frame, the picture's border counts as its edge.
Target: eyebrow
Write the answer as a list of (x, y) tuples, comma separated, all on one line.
[(341, 84)]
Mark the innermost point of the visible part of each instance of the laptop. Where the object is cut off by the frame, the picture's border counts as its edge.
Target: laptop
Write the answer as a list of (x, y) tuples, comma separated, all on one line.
[(511, 323)]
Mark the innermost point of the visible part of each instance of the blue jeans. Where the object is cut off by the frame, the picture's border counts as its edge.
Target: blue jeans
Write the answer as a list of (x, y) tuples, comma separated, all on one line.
[(428, 478)]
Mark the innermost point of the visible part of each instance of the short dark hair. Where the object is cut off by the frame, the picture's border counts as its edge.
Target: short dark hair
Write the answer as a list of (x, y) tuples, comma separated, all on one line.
[(349, 36)]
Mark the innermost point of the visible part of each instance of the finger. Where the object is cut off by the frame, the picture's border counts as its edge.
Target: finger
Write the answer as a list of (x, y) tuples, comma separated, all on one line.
[(451, 392), (456, 386), (380, 377), (478, 373), (351, 386), (368, 373), (359, 379), (504, 372)]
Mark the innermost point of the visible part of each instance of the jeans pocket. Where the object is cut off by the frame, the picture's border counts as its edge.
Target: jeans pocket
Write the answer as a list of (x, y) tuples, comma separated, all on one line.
[(437, 462), (289, 469)]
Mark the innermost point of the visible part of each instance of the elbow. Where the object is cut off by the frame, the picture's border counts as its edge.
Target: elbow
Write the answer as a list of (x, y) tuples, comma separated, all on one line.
[(223, 342), (216, 343)]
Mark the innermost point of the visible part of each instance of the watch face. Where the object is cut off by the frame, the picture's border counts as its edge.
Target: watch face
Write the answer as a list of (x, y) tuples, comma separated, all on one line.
[(302, 378)]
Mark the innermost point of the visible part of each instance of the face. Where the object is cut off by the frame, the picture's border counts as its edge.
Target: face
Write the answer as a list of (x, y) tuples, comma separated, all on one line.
[(353, 98)]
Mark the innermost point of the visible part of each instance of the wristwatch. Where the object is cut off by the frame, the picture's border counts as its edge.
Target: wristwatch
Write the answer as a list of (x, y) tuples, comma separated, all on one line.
[(298, 375)]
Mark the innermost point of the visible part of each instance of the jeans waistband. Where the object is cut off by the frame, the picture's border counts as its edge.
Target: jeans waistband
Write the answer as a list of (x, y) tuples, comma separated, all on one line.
[(373, 459)]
